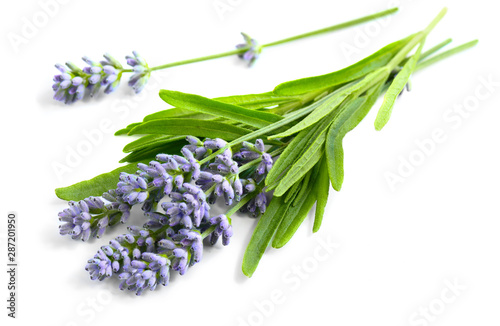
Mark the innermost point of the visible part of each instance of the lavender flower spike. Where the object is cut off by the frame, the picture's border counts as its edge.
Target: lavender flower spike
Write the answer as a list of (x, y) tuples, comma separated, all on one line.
[(132, 188), (92, 216), (70, 85), (141, 72), (253, 52)]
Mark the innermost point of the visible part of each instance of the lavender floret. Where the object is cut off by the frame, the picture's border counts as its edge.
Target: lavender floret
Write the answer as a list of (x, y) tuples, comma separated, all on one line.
[(253, 52)]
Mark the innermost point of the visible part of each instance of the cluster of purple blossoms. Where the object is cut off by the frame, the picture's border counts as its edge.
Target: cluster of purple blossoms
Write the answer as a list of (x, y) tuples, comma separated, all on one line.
[(141, 72), (248, 153), (253, 52), (72, 83), (171, 239), (91, 216)]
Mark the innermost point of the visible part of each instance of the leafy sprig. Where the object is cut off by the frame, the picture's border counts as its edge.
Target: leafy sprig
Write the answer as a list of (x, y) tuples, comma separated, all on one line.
[(304, 121)]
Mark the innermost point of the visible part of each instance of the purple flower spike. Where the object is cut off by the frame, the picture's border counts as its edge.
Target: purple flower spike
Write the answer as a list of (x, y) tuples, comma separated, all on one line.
[(91, 216), (141, 72), (222, 227), (70, 85), (132, 188)]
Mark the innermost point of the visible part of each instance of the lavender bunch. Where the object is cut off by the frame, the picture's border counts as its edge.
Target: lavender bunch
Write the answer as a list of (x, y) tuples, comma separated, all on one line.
[(73, 83), (170, 176), (288, 141), (171, 238), (145, 257)]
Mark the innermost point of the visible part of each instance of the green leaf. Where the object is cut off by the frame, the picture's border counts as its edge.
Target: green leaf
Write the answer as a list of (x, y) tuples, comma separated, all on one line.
[(263, 234), (438, 57), (150, 140), (290, 154), (202, 104), (361, 68), (295, 215), (176, 113), (303, 189), (322, 189), (125, 130), (249, 101), (384, 113), (310, 157), (337, 98), (328, 104), (95, 186), (291, 194), (149, 153), (193, 127), (303, 159), (257, 101), (345, 122)]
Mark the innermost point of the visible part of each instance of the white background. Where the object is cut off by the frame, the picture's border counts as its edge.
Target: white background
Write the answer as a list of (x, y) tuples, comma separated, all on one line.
[(399, 248)]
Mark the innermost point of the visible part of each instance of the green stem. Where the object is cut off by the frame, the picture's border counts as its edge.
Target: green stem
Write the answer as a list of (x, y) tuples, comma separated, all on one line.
[(207, 232), (205, 58), (256, 161), (242, 202), (233, 210), (334, 27), (289, 39)]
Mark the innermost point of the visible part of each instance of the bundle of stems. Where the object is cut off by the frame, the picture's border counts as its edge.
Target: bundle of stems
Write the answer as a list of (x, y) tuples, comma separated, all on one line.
[(301, 122)]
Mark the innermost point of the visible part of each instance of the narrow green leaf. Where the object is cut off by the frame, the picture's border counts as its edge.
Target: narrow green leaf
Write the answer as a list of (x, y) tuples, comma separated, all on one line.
[(249, 101), (95, 186), (125, 130), (263, 234), (294, 217), (194, 127), (361, 68), (438, 57), (302, 166), (345, 122), (290, 154), (202, 104), (395, 89), (149, 153), (176, 113), (322, 189), (301, 161), (336, 100), (303, 189), (148, 141), (291, 194), (331, 103), (256, 101)]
